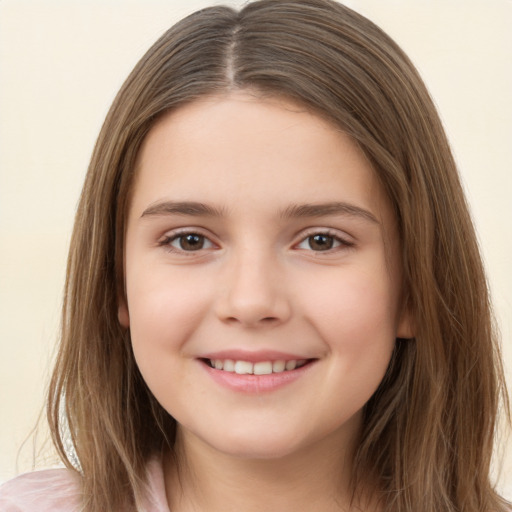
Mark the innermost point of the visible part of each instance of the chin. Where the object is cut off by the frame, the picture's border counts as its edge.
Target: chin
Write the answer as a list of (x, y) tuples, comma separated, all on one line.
[(265, 445)]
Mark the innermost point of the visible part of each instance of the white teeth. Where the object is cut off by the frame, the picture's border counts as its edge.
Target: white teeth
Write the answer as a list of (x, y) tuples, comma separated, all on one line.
[(243, 367), (278, 366), (259, 368), (291, 365), (229, 365), (263, 368)]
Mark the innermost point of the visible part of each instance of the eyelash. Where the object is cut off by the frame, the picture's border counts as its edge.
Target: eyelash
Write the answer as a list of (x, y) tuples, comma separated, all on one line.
[(167, 241), (338, 242), (342, 243)]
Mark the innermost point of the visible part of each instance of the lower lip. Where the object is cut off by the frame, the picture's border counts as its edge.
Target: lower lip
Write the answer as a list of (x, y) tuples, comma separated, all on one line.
[(255, 384)]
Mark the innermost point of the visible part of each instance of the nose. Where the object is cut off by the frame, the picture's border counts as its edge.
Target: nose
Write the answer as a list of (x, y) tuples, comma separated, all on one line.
[(252, 292)]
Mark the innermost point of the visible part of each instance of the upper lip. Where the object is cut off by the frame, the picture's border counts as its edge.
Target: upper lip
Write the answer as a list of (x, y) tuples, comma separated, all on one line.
[(253, 356)]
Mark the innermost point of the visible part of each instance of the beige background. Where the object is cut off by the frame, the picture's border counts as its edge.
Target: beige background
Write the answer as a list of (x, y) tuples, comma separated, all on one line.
[(61, 63)]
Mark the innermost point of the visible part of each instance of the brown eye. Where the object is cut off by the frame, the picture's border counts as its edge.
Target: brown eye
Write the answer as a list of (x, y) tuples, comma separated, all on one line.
[(189, 242), (320, 242), (323, 242)]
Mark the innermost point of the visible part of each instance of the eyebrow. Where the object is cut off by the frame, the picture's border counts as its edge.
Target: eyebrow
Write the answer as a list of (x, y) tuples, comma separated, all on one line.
[(192, 208), (198, 209), (327, 209)]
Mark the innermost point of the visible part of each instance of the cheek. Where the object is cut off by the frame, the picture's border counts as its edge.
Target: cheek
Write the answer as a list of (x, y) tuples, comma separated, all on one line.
[(163, 317), (353, 305), (165, 308), (354, 315)]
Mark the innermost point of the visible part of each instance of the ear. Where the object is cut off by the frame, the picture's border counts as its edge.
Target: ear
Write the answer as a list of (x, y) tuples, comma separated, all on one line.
[(405, 327), (122, 313)]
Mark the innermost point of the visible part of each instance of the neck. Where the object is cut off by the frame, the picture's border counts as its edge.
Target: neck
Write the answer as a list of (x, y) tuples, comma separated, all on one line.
[(199, 478)]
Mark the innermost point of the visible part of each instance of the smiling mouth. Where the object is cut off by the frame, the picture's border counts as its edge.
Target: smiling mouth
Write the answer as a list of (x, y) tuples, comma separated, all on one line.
[(259, 368)]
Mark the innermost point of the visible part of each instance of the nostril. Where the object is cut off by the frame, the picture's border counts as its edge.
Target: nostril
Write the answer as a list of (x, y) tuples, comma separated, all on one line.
[(264, 320), (248, 307)]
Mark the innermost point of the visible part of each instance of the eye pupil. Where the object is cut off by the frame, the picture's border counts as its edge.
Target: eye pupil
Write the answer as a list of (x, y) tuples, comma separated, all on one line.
[(191, 242), (320, 242)]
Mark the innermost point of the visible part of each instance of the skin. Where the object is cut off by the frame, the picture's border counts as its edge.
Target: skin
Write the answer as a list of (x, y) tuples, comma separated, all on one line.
[(258, 281)]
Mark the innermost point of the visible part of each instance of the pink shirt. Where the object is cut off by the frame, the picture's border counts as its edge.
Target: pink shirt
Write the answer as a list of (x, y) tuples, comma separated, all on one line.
[(58, 490)]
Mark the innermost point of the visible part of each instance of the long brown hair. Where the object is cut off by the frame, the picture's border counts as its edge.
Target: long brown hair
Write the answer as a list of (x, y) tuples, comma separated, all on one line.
[(429, 429)]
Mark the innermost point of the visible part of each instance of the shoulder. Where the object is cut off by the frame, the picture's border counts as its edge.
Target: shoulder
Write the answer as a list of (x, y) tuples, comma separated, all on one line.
[(155, 499), (52, 490)]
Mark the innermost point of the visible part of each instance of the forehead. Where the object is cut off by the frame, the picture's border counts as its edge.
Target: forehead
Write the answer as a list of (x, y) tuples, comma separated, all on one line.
[(240, 151)]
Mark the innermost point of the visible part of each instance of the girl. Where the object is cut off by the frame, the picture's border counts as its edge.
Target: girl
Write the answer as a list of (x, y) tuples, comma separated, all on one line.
[(275, 298)]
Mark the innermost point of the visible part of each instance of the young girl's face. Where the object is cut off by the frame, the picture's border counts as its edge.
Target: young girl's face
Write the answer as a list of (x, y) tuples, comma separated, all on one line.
[(262, 276)]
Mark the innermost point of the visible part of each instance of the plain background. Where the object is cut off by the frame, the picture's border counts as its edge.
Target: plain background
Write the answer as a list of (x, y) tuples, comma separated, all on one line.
[(61, 63)]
